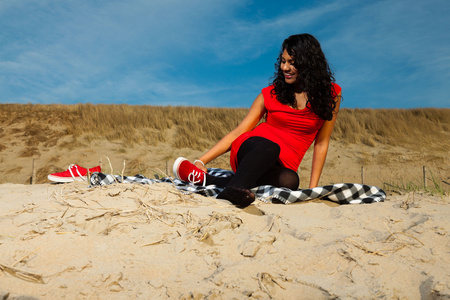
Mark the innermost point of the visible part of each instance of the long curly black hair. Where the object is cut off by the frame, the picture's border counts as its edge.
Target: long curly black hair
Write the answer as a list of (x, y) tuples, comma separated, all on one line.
[(315, 76)]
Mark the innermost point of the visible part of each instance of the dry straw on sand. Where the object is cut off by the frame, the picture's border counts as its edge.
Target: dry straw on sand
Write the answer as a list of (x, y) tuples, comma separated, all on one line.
[(146, 241)]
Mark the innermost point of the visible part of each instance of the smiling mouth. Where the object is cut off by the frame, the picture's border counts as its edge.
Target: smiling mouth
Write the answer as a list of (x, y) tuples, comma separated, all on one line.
[(288, 76)]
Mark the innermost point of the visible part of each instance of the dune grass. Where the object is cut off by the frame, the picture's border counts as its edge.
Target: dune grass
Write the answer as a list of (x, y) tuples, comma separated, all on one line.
[(415, 128), (199, 128), (37, 128), (416, 186)]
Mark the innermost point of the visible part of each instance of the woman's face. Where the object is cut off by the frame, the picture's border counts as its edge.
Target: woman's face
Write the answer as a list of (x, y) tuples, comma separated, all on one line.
[(289, 70)]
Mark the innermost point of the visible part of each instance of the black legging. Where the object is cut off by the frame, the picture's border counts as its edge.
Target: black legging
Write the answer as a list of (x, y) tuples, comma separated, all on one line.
[(258, 165)]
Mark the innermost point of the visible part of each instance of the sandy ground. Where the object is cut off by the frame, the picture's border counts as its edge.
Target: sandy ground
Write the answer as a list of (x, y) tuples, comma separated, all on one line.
[(152, 242)]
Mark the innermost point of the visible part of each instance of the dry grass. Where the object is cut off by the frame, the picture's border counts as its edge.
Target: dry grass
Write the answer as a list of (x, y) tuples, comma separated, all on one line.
[(199, 128), (196, 127), (44, 171), (415, 128), (30, 152), (138, 166), (395, 135)]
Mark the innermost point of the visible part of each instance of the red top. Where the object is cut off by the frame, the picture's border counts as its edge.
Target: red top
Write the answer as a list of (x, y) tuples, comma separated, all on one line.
[(293, 130)]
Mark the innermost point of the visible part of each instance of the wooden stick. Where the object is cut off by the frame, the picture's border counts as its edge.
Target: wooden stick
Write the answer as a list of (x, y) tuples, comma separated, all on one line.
[(362, 174), (424, 177), (33, 172)]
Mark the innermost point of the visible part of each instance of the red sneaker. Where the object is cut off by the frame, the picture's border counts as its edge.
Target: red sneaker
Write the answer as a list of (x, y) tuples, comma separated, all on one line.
[(74, 172), (184, 170)]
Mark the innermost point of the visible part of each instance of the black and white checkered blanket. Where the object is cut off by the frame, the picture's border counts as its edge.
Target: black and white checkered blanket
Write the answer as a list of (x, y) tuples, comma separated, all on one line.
[(342, 193)]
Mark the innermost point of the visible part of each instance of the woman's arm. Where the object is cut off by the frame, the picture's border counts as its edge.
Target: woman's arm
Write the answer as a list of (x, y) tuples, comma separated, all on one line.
[(321, 146), (254, 115)]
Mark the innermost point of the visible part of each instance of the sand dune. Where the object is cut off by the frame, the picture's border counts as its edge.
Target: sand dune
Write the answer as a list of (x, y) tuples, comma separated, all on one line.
[(133, 241)]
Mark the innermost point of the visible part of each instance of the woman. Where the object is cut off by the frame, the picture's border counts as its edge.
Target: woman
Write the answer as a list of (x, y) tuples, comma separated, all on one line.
[(300, 107)]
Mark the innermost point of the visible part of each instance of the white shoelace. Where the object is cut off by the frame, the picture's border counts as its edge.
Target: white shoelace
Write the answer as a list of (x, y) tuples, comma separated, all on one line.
[(80, 178), (196, 174)]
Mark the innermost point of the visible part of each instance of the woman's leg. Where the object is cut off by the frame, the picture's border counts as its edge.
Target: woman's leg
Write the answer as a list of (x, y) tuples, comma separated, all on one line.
[(219, 181), (277, 176), (280, 176), (256, 156)]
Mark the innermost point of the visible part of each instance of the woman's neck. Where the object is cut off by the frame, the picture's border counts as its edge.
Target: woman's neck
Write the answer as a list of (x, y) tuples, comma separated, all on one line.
[(300, 100)]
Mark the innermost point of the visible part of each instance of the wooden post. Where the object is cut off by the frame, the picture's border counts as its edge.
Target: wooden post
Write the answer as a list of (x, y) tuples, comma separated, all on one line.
[(362, 174), (424, 177), (167, 170), (33, 172)]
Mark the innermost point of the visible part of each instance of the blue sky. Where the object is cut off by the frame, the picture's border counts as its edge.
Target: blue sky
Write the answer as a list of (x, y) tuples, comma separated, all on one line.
[(385, 54)]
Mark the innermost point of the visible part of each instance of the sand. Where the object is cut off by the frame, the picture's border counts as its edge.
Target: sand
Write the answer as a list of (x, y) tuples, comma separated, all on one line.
[(152, 242)]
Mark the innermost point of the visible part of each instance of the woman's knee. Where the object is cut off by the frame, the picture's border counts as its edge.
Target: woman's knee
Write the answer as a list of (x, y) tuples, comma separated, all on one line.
[(280, 177), (289, 179)]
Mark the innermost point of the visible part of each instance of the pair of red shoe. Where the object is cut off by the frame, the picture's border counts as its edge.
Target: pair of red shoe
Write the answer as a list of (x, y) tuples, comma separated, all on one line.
[(184, 170), (73, 173)]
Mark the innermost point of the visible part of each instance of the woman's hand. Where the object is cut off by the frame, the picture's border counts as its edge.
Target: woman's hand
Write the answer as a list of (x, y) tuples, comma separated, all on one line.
[(200, 165)]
